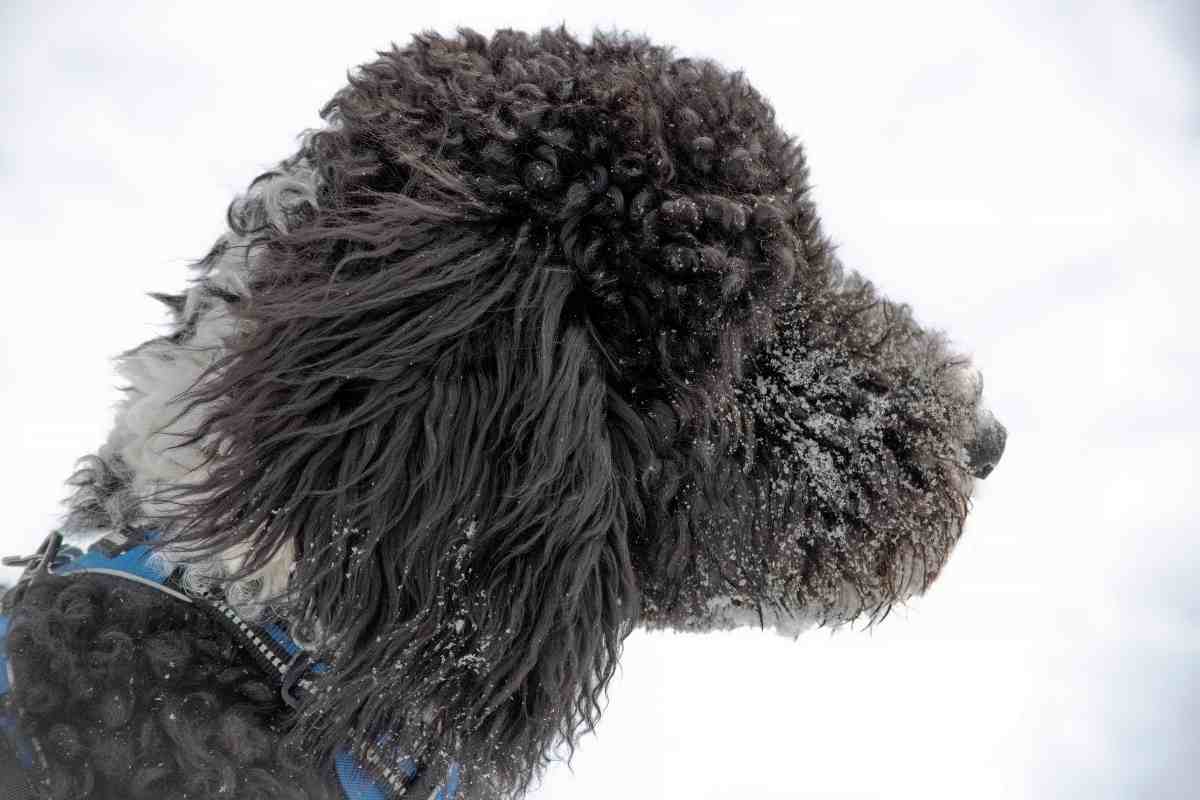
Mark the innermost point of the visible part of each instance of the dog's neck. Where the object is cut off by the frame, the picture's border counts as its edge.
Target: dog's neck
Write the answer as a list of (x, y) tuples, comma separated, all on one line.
[(148, 449)]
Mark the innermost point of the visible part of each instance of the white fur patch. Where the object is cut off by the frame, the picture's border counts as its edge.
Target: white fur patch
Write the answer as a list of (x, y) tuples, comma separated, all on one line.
[(151, 429)]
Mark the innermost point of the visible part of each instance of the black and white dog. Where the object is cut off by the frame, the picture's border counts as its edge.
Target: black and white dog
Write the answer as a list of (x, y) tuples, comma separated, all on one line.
[(536, 341)]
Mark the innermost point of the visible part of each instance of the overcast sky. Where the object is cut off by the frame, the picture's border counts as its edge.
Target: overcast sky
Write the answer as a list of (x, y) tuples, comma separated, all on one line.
[(1028, 179)]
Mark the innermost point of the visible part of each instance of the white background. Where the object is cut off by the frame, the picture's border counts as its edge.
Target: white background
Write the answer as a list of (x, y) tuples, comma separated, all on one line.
[(1028, 179)]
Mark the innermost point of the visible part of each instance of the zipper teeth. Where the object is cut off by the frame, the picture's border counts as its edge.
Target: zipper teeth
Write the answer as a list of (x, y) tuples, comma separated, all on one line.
[(259, 645), (372, 756)]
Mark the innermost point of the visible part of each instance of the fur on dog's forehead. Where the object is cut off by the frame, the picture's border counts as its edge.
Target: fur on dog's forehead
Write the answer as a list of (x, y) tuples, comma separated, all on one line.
[(535, 341)]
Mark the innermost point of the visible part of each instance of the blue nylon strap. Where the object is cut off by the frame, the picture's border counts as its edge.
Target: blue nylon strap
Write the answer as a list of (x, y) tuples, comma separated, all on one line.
[(357, 784), (5, 686), (135, 561), (280, 635), (450, 788)]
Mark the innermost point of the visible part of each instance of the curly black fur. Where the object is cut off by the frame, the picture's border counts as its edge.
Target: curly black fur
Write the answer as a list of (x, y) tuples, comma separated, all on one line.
[(136, 696), (546, 343)]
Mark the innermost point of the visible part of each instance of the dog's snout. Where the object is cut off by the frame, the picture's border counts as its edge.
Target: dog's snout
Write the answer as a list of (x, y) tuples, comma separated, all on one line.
[(984, 451)]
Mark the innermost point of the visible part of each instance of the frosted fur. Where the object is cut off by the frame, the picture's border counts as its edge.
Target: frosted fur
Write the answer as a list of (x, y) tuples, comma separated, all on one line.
[(834, 453), (534, 342)]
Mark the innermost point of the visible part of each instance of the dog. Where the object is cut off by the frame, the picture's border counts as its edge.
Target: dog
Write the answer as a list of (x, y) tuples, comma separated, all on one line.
[(534, 342)]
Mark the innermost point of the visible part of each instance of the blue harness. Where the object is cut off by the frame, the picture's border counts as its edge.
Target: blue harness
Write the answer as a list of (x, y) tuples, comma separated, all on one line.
[(380, 778)]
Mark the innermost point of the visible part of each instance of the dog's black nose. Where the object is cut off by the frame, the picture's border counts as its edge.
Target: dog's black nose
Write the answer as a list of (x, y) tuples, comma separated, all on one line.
[(983, 453)]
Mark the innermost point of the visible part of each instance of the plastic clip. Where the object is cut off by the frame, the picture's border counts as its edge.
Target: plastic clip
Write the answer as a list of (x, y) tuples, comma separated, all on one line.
[(47, 557), (291, 678)]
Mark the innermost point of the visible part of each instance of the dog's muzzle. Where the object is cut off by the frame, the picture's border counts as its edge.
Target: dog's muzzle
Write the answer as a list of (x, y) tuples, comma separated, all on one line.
[(984, 451)]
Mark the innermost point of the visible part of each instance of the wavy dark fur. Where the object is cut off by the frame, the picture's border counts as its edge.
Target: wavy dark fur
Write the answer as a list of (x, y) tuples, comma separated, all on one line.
[(555, 348)]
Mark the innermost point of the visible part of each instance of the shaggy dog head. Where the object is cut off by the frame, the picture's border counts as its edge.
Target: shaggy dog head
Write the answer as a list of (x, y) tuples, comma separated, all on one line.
[(534, 342)]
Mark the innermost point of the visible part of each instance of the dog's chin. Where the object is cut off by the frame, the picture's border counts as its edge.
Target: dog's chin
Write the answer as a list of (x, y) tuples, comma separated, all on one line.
[(861, 575)]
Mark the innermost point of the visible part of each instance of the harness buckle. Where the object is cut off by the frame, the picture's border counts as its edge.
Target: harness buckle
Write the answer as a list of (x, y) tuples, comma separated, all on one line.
[(49, 555), (291, 678)]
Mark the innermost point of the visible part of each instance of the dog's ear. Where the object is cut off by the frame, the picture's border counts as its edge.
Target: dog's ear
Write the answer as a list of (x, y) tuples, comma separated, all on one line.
[(418, 413)]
